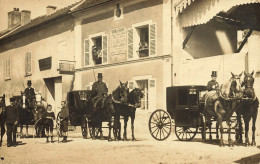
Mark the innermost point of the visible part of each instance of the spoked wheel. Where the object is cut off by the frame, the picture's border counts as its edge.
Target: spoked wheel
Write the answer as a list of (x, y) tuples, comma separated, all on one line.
[(160, 125), (84, 127), (185, 133)]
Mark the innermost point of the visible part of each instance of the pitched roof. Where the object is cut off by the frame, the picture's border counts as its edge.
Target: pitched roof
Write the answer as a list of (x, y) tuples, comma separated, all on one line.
[(90, 3), (36, 22)]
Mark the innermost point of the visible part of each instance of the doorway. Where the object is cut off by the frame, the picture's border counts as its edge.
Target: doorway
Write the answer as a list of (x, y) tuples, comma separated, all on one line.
[(143, 84)]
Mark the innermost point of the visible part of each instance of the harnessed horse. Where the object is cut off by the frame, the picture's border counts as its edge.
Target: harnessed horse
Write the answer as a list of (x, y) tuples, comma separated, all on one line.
[(221, 104), (128, 110), (105, 109), (2, 119), (248, 108)]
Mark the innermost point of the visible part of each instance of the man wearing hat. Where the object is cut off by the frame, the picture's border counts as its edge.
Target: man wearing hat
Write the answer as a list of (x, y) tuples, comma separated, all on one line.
[(12, 118), (213, 84), (29, 94), (99, 87)]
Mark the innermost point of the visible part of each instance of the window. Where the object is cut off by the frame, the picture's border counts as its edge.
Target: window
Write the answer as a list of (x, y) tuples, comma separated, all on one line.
[(95, 50), (141, 40), (8, 68), (28, 63)]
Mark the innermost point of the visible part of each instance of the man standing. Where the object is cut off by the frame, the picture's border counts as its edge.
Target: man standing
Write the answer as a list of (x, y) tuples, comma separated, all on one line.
[(29, 94), (64, 117), (213, 84), (99, 87), (12, 118)]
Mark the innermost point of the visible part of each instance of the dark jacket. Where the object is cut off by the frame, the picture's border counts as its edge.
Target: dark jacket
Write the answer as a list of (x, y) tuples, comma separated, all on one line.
[(100, 89), (29, 93), (49, 115), (64, 113), (11, 114), (212, 85)]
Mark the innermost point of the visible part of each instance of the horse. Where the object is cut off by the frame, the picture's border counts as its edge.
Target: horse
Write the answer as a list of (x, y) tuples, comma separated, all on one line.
[(248, 108), (221, 104), (128, 110), (2, 117), (105, 109)]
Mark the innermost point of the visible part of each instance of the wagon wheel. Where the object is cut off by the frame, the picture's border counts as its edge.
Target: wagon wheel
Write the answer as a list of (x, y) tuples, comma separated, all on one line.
[(84, 127), (160, 125), (58, 128), (185, 133)]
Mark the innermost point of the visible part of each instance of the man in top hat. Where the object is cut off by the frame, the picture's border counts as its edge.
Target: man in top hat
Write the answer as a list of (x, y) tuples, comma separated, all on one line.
[(213, 84), (12, 118), (29, 94), (99, 87)]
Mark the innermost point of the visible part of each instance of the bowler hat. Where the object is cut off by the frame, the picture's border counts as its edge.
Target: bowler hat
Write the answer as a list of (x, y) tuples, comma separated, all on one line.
[(29, 82), (214, 74), (100, 75)]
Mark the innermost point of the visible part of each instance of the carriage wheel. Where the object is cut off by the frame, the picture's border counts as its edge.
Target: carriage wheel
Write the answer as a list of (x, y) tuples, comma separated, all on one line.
[(84, 127), (95, 133), (185, 133), (160, 125)]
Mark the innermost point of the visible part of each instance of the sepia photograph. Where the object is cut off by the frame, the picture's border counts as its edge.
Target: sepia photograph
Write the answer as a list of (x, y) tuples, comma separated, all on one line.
[(129, 81)]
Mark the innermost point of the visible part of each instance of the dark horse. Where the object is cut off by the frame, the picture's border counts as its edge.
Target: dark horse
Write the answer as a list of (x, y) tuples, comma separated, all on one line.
[(105, 109), (128, 110), (2, 119), (221, 104), (248, 108)]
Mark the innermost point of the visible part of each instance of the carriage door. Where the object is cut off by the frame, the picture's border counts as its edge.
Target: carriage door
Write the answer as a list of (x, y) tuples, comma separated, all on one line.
[(144, 101)]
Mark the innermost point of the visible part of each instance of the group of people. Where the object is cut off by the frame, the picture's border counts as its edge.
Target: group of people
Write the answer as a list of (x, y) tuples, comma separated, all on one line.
[(12, 119)]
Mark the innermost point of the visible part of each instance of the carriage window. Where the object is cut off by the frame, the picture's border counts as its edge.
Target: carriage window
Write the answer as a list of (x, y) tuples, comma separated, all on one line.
[(143, 33), (193, 100), (182, 97)]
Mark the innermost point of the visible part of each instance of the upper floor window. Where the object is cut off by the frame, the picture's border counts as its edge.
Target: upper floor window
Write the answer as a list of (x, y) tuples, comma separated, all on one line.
[(141, 41), (28, 63), (8, 68), (95, 51)]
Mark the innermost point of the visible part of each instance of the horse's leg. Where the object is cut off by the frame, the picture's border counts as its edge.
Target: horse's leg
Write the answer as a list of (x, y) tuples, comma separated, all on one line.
[(21, 131), (100, 130), (27, 130), (2, 133), (132, 127), (210, 135), (217, 128), (219, 112), (246, 121), (239, 136), (230, 142), (253, 129), (110, 127), (125, 128)]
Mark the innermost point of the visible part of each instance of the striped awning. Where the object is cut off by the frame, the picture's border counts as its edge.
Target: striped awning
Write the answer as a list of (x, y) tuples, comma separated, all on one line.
[(202, 11), (181, 5)]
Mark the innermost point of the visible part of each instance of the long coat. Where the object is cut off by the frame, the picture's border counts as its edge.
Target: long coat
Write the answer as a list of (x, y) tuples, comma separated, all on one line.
[(100, 88)]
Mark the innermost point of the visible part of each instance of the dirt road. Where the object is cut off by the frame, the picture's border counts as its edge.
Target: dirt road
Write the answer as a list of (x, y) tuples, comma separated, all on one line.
[(144, 150)]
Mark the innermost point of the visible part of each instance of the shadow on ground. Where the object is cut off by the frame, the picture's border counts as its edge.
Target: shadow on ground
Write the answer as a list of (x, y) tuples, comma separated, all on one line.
[(254, 159)]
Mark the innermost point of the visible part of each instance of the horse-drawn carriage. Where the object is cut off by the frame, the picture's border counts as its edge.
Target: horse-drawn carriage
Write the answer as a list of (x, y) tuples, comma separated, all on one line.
[(184, 106), (192, 108)]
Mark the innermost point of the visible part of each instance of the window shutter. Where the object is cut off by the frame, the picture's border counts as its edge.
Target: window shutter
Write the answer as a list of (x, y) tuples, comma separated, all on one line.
[(130, 43), (152, 83), (104, 47), (8, 64), (29, 62), (152, 40), (4, 68), (26, 62), (87, 62)]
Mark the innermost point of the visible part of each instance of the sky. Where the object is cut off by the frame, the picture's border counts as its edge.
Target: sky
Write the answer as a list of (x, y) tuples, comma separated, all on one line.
[(37, 8)]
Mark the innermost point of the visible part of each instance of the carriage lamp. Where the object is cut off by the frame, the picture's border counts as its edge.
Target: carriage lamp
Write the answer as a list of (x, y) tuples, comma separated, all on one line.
[(192, 91), (23, 101)]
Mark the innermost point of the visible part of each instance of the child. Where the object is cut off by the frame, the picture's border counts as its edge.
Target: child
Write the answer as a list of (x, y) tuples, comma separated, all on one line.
[(49, 117), (64, 116)]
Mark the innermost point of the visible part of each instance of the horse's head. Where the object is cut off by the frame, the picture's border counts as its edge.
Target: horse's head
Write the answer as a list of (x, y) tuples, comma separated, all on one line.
[(135, 97), (248, 80), (235, 83), (123, 91)]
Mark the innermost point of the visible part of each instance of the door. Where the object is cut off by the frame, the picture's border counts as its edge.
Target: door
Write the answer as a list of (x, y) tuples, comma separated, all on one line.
[(143, 84)]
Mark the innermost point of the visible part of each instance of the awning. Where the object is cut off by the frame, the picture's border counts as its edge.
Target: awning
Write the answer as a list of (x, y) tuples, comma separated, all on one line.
[(202, 11)]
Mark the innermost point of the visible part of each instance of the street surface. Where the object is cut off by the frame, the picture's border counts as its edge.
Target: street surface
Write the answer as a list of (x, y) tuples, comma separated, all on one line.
[(144, 150)]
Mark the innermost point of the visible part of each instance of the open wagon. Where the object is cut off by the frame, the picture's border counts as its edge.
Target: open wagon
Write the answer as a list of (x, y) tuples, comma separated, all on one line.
[(184, 107)]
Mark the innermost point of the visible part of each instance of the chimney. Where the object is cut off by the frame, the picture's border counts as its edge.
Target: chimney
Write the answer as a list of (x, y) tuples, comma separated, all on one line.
[(14, 17), (50, 10), (25, 17)]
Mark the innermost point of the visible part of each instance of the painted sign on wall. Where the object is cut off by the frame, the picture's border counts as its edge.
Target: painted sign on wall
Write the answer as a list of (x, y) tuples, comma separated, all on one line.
[(118, 41)]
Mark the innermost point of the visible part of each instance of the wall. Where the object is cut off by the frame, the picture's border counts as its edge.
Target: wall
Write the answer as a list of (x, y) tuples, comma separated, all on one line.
[(42, 42)]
